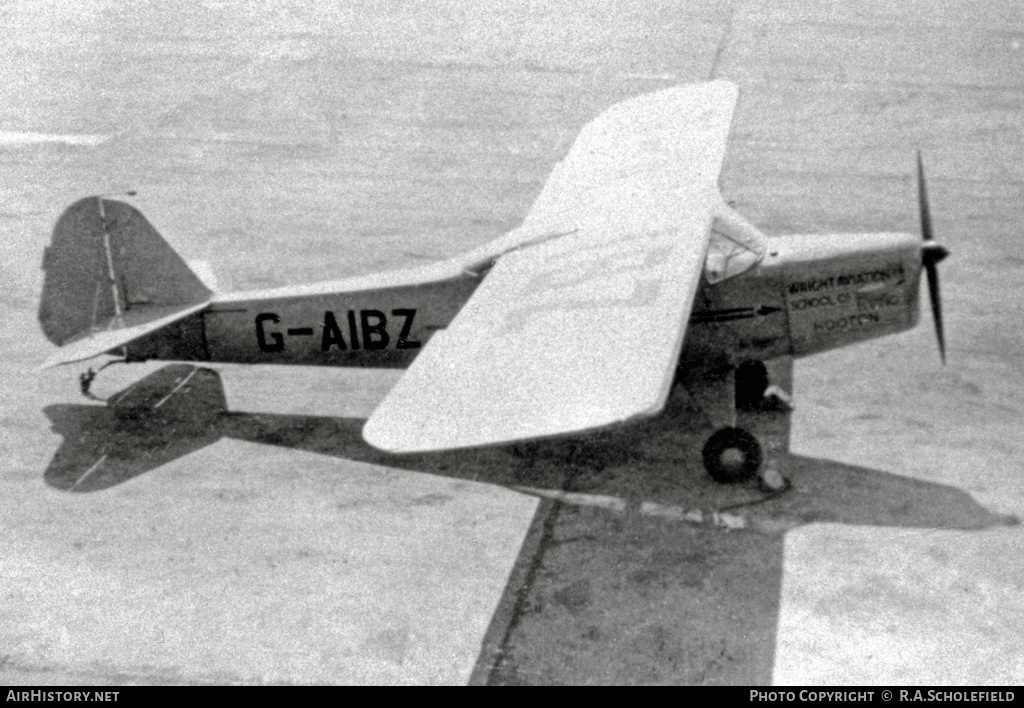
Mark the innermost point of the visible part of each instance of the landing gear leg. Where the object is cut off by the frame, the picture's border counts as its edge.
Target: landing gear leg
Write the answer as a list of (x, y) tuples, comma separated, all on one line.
[(751, 384), (756, 392)]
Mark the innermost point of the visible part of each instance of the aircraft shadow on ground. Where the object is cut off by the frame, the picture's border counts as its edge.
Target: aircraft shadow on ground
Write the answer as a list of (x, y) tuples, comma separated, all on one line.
[(147, 426), (181, 409)]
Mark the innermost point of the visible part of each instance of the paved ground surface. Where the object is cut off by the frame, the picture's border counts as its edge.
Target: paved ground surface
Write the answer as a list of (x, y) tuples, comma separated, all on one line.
[(272, 545)]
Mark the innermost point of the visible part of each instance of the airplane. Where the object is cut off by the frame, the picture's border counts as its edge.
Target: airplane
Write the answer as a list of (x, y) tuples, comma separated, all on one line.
[(629, 276)]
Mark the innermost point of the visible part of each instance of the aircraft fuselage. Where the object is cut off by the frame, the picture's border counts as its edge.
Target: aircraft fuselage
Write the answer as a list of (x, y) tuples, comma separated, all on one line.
[(809, 294)]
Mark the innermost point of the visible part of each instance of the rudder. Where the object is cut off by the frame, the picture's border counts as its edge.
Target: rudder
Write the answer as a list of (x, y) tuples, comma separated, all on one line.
[(104, 259)]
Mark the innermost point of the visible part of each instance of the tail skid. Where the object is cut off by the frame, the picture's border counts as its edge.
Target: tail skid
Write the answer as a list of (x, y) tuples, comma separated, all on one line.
[(110, 279)]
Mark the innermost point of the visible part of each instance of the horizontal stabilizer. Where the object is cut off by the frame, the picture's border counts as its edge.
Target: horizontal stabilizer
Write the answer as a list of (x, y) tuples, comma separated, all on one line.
[(119, 331)]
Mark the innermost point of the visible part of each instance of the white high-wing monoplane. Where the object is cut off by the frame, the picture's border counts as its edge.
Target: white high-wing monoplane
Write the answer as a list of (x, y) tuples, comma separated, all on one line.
[(628, 276)]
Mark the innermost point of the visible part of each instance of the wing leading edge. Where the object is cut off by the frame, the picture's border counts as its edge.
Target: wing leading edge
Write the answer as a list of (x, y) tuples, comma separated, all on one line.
[(583, 331)]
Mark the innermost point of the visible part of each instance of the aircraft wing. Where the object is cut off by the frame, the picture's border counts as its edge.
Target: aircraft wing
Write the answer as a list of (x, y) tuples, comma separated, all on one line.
[(581, 331), (628, 166)]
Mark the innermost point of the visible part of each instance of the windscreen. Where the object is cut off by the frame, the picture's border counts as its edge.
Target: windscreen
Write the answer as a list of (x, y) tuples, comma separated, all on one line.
[(730, 252)]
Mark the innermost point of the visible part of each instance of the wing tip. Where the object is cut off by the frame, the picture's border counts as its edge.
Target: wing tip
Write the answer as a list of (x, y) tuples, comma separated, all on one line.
[(380, 438)]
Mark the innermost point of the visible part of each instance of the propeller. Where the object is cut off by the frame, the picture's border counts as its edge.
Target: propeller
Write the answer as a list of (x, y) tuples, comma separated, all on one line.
[(931, 254)]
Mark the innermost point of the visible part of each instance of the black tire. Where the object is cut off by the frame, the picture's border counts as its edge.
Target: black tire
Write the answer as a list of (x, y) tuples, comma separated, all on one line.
[(751, 383), (737, 444)]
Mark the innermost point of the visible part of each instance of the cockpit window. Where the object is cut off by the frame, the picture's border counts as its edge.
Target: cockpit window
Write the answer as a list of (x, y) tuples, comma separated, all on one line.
[(731, 252)]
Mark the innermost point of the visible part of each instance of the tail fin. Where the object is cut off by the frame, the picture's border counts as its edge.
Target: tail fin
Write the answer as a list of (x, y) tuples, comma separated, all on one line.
[(106, 261)]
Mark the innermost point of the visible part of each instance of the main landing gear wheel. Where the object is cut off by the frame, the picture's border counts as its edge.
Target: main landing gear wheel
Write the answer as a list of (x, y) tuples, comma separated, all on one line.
[(732, 455), (751, 384)]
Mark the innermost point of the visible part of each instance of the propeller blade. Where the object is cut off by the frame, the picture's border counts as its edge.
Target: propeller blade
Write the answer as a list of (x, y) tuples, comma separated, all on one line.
[(922, 202), (931, 254), (933, 293)]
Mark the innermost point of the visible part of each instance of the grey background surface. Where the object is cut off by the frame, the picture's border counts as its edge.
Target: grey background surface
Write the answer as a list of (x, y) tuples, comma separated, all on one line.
[(290, 142)]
